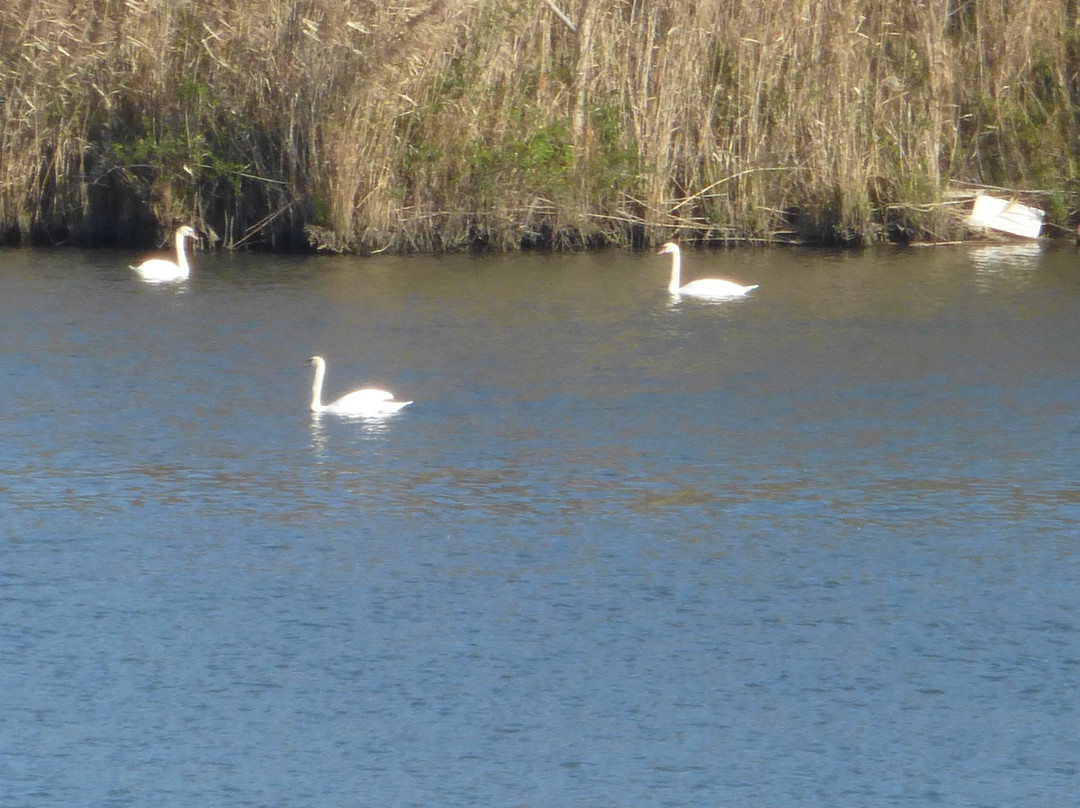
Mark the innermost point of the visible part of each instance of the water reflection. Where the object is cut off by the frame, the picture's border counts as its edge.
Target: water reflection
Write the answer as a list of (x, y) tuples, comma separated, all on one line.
[(350, 430), (1007, 256)]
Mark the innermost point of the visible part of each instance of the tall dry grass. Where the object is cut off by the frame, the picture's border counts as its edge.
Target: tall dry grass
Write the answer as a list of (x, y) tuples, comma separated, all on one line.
[(436, 124)]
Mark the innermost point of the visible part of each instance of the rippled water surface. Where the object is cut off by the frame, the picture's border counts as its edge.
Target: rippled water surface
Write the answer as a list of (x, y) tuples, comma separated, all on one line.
[(816, 547)]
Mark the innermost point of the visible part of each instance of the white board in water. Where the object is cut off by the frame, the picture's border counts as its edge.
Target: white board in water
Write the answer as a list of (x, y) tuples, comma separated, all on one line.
[(1006, 216)]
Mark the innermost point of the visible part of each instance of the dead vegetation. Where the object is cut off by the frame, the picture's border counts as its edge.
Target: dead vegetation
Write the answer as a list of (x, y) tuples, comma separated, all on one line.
[(445, 124)]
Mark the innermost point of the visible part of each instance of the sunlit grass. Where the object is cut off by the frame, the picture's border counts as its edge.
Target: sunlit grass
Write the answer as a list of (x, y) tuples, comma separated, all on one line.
[(438, 125)]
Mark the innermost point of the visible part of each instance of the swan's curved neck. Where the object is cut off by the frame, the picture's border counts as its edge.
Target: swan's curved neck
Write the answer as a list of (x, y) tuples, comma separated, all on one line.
[(676, 272), (181, 253), (316, 388)]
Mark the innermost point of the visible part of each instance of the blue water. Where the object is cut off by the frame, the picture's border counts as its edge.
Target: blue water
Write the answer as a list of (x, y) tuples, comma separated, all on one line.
[(817, 547)]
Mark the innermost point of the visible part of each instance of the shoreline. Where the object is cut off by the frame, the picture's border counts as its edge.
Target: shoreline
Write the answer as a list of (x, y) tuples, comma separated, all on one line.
[(429, 126)]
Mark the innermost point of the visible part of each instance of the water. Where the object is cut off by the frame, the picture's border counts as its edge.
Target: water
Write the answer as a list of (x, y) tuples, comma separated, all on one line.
[(817, 547)]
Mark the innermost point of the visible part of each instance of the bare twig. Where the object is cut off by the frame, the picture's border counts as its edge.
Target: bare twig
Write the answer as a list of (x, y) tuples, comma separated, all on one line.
[(566, 20)]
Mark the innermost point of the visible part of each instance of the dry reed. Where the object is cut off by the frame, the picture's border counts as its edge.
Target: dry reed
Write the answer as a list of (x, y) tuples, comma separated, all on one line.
[(441, 124)]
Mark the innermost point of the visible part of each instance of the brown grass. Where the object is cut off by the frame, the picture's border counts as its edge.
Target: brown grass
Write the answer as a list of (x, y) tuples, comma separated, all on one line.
[(439, 124)]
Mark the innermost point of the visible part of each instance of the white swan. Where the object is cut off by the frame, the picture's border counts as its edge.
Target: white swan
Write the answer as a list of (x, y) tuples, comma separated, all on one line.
[(161, 269), (713, 288), (366, 402)]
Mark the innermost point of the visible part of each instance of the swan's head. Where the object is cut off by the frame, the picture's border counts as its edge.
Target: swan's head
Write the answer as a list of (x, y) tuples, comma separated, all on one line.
[(317, 361), (670, 247), (187, 232)]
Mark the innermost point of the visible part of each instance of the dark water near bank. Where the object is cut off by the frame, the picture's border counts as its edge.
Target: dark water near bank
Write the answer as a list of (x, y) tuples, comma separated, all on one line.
[(818, 547)]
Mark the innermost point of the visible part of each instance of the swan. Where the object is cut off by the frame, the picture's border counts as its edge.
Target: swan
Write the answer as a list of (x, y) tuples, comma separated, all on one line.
[(367, 402), (714, 288), (161, 269)]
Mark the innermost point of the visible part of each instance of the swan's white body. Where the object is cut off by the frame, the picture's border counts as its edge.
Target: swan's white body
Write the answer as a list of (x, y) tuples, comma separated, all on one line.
[(161, 269), (713, 288), (366, 402)]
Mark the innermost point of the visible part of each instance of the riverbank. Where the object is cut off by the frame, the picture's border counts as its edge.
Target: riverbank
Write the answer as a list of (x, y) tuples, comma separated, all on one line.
[(350, 127)]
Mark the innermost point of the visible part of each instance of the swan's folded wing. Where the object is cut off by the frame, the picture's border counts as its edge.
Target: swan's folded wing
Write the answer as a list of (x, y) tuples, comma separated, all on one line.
[(367, 395)]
